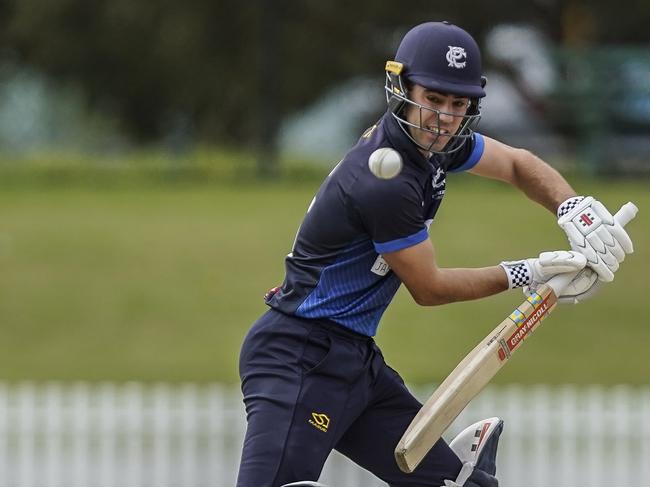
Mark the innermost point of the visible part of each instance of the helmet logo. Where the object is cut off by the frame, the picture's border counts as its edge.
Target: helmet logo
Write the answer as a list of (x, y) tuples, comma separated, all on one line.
[(455, 56)]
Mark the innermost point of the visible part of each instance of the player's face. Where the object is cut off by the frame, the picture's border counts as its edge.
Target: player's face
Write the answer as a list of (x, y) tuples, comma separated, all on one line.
[(439, 118)]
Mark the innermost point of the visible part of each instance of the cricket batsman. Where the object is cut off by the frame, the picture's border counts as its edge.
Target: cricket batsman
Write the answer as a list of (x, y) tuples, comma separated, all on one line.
[(313, 378)]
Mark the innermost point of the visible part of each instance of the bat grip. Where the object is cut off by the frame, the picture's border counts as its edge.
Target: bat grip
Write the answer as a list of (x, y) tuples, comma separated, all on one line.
[(623, 217)]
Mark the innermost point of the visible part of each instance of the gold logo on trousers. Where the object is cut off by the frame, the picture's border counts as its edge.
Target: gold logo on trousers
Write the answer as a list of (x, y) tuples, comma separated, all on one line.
[(320, 421)]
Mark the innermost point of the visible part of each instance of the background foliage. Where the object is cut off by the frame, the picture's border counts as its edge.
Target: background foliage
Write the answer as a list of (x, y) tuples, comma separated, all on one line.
[(223, 70)]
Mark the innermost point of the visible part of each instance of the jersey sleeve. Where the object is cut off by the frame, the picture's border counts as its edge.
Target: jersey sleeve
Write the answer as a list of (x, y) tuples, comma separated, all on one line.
[(468, 156), (391, 212)]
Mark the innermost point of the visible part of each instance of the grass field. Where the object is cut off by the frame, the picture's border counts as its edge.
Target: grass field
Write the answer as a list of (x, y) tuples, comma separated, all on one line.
[(162, 282)]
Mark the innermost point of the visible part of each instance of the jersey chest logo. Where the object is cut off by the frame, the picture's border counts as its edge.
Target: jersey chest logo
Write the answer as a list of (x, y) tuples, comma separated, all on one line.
[(438, 182)]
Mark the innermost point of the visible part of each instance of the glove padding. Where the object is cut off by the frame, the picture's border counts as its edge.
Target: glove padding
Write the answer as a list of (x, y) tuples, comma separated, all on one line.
[(593, 231), (583, 286), (533, 272)]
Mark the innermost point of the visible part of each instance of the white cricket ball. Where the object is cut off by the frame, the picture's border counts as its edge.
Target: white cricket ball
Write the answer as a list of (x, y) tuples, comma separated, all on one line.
[(385, 163)]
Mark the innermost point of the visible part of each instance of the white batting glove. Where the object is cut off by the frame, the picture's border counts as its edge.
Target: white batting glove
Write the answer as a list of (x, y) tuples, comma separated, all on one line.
[(592, 230), (583, 286), (533, 272)]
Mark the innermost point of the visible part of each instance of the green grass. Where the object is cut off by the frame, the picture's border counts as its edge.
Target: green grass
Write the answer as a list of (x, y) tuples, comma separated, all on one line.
[(162, 282)]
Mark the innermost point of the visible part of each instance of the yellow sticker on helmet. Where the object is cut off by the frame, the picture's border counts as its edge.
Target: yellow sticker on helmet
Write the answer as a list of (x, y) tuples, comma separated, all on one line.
[(394, 67)]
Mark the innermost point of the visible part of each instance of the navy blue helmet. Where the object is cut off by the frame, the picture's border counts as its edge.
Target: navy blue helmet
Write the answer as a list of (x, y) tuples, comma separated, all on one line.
[(443, 58)]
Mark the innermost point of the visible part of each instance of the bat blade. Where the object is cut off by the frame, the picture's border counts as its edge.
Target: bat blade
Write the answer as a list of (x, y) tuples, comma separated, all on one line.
[(476, 370), (469, 377)]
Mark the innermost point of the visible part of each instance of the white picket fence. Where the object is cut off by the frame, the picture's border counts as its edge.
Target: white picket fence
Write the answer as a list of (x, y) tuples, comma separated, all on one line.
[(134, 435)]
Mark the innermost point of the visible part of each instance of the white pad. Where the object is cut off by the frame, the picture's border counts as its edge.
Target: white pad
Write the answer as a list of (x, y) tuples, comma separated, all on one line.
[(304, 483), (466, 470), (469, 445)]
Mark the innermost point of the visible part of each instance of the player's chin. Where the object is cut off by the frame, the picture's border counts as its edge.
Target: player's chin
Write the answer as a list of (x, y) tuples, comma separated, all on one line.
[(435, 142)]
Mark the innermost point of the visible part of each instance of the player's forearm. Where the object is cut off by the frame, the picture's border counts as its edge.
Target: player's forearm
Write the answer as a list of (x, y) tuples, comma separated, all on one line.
[(452, 285), (540, 182)]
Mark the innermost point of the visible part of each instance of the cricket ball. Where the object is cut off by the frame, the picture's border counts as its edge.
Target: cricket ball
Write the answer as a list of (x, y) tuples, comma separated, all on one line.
[(385, 163)]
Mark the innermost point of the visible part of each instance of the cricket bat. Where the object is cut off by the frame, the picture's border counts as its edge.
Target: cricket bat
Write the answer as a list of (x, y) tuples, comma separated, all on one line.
[(476, 370)]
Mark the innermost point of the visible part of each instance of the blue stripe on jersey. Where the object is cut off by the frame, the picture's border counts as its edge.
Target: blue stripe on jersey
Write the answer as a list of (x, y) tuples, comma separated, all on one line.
[(475, 156), (401, 243), (349, 293)]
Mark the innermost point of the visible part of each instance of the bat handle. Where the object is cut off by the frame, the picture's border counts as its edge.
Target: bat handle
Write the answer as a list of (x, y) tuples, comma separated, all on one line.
[(623, 216)]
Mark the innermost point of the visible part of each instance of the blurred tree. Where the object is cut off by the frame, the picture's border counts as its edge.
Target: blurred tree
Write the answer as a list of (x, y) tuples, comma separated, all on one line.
[(207, 66)]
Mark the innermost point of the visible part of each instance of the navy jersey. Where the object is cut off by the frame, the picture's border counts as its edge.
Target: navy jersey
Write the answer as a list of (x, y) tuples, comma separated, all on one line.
[(335, 269)]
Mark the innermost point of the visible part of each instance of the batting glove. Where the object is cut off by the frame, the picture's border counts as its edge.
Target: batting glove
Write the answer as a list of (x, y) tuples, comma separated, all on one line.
[(582, 287), (592, 231), (533, 272)]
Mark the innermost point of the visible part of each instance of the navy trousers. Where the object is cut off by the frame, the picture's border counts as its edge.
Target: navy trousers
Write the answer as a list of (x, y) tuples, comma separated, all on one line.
[(311, 386)]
